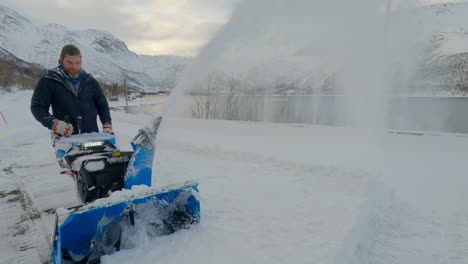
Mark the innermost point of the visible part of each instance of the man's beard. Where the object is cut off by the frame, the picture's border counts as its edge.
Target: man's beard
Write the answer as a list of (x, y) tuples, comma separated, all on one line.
[(73, 74)]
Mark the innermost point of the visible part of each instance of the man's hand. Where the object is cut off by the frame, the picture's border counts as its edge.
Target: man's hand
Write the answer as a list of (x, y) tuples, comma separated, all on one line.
[(62, 128), (107, 128)]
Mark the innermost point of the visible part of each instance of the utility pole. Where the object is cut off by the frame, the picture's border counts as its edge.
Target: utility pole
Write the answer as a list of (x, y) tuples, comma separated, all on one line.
[(4, 119), (126, 95), (387, 19), (386, 46)]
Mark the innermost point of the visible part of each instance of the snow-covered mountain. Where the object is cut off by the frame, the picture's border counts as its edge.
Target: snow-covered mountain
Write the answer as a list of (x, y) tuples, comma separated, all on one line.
[(104, 56), (445, 65)]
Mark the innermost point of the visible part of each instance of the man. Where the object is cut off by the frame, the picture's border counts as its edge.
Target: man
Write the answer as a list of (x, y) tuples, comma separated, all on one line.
[(75, 96)]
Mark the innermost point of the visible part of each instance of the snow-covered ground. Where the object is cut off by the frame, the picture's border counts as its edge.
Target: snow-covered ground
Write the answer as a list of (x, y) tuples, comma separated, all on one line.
[(270, 193)]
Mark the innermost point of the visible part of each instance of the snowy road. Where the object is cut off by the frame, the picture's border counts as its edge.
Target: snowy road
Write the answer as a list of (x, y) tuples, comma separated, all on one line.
[(269, 193)]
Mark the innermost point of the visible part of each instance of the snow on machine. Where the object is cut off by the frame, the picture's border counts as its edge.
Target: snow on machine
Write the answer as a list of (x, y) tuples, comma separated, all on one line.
[(115, 188)]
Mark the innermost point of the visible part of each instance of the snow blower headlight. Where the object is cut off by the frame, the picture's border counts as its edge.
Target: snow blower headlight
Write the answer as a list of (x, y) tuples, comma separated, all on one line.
[(93, 145)]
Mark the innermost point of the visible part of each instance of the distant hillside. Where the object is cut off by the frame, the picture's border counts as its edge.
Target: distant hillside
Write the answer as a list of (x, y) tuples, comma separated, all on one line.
[(444, 68), (16, 73)]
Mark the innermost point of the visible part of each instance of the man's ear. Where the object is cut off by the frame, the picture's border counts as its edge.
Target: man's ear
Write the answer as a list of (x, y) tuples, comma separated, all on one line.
[(60, 60)]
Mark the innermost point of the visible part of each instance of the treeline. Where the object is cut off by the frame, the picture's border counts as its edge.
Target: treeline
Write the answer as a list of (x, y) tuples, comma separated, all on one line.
[(13, 77), (113, 91), (221, 96)]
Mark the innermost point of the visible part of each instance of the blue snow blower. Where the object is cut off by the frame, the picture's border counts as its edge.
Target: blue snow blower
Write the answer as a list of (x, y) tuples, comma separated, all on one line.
[(115, 188)]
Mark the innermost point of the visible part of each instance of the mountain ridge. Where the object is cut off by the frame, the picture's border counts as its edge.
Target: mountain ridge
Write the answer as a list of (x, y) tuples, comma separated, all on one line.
[(105, 56)]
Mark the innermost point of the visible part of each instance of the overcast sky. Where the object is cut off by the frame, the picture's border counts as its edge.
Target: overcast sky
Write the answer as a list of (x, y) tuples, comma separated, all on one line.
[(147, 26)]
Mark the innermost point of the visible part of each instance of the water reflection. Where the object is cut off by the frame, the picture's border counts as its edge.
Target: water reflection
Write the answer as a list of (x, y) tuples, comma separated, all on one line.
[(437, 114)]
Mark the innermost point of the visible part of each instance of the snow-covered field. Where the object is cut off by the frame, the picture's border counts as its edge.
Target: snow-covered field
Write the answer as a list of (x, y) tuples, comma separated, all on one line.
[(270, 193)]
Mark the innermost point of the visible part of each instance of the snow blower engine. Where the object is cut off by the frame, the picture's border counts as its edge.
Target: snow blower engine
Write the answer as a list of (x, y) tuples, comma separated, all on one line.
[(95, 163)]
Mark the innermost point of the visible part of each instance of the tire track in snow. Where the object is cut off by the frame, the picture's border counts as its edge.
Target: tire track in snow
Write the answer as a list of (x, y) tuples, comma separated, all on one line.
[(36, 191), (14, 205), (26, 236)]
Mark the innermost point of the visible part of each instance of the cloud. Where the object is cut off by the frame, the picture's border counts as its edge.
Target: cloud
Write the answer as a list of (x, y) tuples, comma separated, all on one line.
[(182, 25), (147, 26)]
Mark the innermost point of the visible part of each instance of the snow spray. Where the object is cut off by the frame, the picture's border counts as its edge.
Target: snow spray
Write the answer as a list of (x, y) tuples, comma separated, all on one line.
[(338, 47)]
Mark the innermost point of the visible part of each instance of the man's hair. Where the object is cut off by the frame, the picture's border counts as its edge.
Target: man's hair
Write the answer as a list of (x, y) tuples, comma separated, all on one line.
[(70, 50)]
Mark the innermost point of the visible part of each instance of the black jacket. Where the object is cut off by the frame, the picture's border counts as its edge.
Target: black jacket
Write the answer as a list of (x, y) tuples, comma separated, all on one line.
[(88, 102)]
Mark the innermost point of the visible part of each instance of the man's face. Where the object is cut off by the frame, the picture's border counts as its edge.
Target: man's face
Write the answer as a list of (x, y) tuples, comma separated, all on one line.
[(72, 65)]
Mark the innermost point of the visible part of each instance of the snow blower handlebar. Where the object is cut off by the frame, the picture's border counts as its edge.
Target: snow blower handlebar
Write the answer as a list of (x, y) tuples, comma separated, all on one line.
[(79, 120)]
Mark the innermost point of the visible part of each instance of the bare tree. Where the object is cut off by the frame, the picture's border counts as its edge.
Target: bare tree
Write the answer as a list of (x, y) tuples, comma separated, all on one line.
[(232, 100), (6, 76), (248, 104), (206, 96)]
